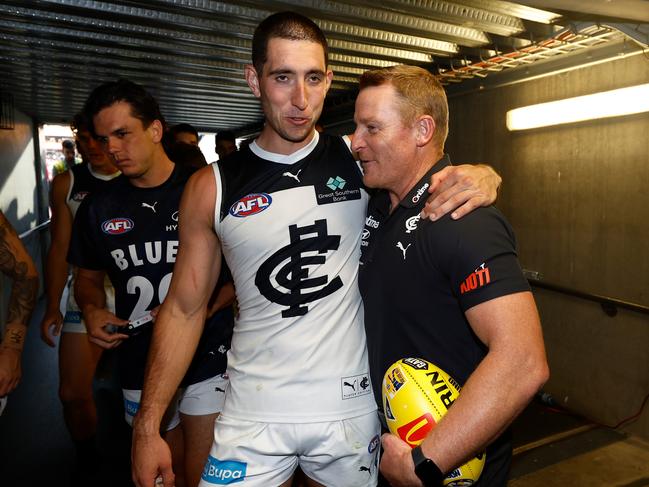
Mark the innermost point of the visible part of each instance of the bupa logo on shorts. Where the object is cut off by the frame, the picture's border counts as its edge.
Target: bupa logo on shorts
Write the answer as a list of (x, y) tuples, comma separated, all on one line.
[(223, 472), (250, 205), (117, 226), (131, 407), (73, 317), (374, 444)]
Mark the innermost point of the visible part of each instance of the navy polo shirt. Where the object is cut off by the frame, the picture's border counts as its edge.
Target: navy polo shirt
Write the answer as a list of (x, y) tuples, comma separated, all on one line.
[(417, 279)]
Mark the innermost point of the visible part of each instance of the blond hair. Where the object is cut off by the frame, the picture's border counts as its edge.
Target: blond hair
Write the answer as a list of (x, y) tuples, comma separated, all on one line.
[(419, 93)]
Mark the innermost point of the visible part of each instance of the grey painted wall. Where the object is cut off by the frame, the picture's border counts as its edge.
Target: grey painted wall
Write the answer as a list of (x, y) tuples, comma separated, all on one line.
[(577, 196), (18, 192)]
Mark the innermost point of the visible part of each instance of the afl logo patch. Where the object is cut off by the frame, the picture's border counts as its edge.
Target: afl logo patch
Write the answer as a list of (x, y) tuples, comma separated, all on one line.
[(117, 226), (250, 205)]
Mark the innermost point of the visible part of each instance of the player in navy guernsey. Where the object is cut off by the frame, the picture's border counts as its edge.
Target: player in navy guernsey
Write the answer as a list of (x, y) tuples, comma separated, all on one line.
[(130, 233), (287, 214), (450, 292), (78, 357)]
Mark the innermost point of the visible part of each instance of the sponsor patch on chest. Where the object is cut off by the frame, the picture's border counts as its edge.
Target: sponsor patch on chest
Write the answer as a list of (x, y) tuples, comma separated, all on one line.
[(335, 189)]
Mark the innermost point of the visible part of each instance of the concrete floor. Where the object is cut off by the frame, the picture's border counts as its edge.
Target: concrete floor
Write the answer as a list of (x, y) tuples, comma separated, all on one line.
[(551, 448), (597, 457)]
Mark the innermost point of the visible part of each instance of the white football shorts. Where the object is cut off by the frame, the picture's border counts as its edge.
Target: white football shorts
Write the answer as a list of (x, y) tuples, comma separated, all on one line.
[(335, 453), (202, 398)]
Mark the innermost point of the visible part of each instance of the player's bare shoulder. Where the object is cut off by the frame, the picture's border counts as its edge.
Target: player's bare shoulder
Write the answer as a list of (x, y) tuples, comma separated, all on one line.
[(199, 197)]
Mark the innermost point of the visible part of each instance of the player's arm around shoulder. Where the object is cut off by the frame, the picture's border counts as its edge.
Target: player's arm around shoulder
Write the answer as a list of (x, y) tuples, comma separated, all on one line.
[(178, 326), (460, 190), (56, 267)]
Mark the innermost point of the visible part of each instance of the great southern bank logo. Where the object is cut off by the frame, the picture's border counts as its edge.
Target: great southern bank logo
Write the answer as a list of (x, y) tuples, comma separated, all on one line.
[(224, 472), (251, 204), (336, 183), (117, 226)]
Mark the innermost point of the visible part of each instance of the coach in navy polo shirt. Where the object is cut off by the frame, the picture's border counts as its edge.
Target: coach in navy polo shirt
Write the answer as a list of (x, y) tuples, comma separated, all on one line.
[(451, 291)]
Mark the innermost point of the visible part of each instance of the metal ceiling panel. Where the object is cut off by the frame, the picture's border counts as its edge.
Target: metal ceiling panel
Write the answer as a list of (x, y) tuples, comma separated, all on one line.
[(190, 53)]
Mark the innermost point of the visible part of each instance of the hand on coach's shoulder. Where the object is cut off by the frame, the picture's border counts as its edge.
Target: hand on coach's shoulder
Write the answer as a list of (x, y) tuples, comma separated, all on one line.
[(461, 189)]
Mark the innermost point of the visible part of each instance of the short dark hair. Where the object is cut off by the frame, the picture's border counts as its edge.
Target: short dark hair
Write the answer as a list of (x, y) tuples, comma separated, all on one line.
[(285, 25), (186, 155), (225, 135), (67, 144), (182, 128), (143, 106), (80, 122)]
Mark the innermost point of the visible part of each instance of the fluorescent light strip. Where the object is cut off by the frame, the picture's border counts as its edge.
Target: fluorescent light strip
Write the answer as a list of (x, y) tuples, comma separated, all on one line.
[(614, 103)]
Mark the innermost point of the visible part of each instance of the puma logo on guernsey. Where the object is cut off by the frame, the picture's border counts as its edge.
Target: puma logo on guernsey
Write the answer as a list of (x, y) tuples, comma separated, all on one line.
[(294, 176), (353, 386), (400, 247), (147, 205)]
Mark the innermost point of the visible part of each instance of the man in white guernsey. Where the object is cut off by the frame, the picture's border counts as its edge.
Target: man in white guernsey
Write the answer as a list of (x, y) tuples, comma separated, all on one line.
[(287, 213), (78, 357)]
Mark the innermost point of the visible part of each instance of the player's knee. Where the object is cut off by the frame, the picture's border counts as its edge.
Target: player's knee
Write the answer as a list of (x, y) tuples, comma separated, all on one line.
[(71, 395)]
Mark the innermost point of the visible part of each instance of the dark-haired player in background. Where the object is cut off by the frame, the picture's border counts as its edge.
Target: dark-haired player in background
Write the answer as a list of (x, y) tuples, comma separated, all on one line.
[(131, 233), (78, 357)]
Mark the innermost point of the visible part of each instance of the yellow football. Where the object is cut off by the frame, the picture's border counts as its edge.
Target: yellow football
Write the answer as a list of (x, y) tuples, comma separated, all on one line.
[(416, 395)]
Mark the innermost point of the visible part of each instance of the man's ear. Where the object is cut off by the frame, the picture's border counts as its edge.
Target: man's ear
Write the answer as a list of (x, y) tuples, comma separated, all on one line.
[(329, 77), (425, 127), (157, 131), (252, 79)]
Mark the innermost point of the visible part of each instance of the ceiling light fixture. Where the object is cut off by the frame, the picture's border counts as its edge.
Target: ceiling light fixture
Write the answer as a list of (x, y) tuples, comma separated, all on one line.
[(614, 103)]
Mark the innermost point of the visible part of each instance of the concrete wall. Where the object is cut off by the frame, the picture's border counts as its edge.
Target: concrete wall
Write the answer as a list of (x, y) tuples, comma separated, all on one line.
[(578, 200), (19, 198)]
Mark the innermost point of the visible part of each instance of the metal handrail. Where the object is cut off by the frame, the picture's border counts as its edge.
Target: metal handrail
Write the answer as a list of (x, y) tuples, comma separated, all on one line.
[(609, 305)]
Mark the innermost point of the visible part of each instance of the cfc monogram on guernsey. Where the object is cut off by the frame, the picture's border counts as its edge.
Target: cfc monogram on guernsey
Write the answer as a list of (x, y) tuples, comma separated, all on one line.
[(290, 230), (295, 260)]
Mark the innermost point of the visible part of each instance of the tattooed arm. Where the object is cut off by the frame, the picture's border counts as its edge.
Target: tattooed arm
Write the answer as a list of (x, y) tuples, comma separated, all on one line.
[(16, 263)]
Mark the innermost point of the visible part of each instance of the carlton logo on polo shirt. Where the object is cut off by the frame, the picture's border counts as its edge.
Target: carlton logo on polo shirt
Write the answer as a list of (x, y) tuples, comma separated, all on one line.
[(251, 205), (117, 226), (223, 472)]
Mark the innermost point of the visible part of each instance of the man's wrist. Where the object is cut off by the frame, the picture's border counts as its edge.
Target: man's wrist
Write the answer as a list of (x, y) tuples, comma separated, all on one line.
[(14, 337), (426, 469)]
